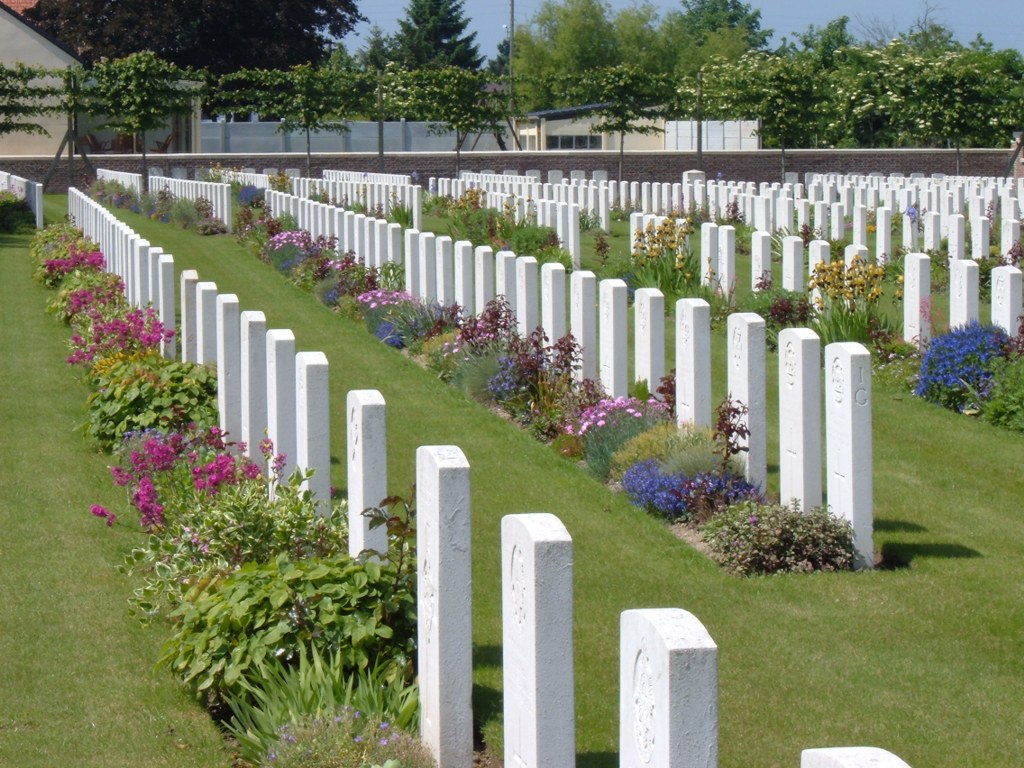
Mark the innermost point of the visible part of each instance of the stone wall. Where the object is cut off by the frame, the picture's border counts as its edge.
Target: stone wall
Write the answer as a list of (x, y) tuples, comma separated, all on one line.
[(757, 166)]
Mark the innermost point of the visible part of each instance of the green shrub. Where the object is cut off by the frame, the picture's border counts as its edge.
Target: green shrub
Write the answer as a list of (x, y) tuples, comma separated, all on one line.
[(57, 241), (15, 215), (278, 698), (752, 538), (211, 226), (1004, 405), (143, 391), (184, 214), (214, 534), (361, 611), (686, 449)]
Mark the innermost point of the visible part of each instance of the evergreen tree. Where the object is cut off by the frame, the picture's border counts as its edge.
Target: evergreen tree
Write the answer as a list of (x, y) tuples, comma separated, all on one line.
[(432, 35)]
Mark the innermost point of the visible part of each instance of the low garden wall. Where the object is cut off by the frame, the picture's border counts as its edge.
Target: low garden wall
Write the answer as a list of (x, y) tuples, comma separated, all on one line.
[(757, 166)]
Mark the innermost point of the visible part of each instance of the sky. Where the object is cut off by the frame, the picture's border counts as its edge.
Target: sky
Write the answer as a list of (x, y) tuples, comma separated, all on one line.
[(1000, 22)]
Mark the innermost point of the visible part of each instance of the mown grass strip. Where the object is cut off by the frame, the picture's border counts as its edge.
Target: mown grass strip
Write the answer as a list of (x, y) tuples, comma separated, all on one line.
[(78, 685)]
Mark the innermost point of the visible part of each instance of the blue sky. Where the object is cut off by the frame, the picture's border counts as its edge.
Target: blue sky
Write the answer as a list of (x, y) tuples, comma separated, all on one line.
[(1001, 22)]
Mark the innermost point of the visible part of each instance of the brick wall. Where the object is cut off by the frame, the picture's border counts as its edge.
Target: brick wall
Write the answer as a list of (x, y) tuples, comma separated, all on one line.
[(762, 165)]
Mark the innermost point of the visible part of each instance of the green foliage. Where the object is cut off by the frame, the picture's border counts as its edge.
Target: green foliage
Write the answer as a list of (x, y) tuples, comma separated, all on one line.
[(751, 538), (144, 391), (24, 95), (56, 241), (220, 37), (15, 215), (348, 739), (683, 449), (140, 91), (304, 98), (212, 535), (1004, 404), (433, 35), (361, 611), (275, 698)]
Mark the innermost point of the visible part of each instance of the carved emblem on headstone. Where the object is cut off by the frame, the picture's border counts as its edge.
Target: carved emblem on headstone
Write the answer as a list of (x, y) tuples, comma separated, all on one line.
[(517, 581), (643, 703)]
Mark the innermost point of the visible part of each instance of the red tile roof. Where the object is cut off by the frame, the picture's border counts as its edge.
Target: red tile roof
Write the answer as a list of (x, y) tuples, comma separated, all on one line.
[(19, 5)]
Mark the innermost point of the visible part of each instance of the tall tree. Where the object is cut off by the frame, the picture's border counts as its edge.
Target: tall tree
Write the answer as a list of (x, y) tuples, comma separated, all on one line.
[(221, 37), (305, 98), (625, 99), (137, 93), (562, 37), (23, 97), (705, 17), (452, 99), (433, 35)]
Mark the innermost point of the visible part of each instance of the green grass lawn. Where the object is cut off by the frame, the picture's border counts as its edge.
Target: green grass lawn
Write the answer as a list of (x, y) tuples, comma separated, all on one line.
[(924, 660), (78, 686)]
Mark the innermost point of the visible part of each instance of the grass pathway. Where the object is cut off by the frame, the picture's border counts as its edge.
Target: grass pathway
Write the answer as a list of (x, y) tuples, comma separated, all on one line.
[(77, 686)]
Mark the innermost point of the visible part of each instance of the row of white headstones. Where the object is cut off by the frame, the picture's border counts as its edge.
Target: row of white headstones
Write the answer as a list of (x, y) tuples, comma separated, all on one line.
[(668, 660)]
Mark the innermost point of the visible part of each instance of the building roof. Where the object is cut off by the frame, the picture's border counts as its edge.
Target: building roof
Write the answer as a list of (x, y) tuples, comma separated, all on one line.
[(20, 6), (11, 7)]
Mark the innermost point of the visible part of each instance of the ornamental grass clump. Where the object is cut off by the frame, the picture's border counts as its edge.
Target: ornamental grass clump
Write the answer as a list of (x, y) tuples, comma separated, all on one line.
[(753, 537), (956, 369)]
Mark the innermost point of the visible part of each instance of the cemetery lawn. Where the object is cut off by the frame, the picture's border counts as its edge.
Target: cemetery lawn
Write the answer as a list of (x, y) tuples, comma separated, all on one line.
[(924, 660), (78, 686)]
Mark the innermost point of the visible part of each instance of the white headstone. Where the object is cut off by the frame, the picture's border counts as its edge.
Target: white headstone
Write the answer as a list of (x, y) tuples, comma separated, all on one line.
[(313, 425), (800, 417), (484, 277), (445, 269), (746, 384), (792, 263), (963, 292), (583, 320), (253, 383), (165, 302), (693, 362), (850, 757), (1006, 299), (708, 252), (649, 336), (281, 396), (527, 314), (917, 299), (614, 375), (189, 315), (552, 278), (444, 604), (537, 621), (206, 323), (725, 281), (464, 288), (668, 691), (367, 468), (229, 366), (849, 443), (760, 260)]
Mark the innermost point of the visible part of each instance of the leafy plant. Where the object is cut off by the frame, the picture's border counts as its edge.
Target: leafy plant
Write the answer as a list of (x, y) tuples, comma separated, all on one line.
[(1004, 404), (15, 214), (757, 538), (140, 391), (362, 611)]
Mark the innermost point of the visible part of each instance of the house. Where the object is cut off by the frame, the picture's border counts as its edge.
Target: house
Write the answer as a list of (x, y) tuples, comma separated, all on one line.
[(22, 41), (573, 128)]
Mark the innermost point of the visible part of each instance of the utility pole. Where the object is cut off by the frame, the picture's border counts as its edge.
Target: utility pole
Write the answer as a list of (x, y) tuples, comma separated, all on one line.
[(700, 120)]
